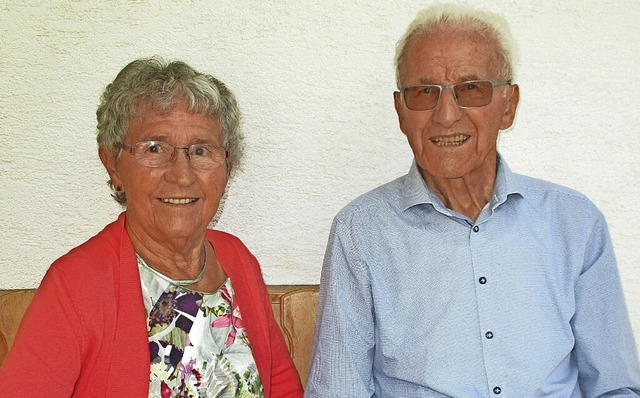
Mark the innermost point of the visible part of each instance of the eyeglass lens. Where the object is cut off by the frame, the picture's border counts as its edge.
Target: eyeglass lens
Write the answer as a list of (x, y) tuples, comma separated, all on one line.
[(467, 94), (156, 154)]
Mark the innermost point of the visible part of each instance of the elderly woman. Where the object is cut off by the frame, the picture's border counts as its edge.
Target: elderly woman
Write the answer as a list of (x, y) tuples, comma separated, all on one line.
[(156, 304)]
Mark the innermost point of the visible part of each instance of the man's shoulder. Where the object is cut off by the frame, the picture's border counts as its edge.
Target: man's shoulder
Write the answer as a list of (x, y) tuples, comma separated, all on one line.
[(539, 185), (380, 200), (546, 192)]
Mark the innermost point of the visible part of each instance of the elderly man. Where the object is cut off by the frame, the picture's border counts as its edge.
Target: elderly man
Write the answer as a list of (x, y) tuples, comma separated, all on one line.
[(462, 278)]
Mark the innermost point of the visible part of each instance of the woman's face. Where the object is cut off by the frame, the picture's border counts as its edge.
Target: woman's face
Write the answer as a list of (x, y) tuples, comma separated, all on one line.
[(174, 202)]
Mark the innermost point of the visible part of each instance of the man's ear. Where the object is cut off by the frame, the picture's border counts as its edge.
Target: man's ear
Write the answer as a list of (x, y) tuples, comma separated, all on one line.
[(397, 102), (108, 158), (513, 97)]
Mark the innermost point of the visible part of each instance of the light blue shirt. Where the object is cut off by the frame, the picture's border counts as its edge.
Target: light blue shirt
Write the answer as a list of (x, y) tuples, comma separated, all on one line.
[(420, 301)]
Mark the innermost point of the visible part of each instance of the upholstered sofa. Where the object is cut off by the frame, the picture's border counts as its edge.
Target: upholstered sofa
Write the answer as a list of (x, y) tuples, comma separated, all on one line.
[(294, 308)]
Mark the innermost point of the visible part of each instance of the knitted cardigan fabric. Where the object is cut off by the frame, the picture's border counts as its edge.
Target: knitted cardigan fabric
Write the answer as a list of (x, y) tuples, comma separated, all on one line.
[(85, 332)]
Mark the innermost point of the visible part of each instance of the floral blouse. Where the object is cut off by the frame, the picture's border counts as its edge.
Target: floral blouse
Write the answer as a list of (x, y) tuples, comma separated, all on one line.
[(197, 342)]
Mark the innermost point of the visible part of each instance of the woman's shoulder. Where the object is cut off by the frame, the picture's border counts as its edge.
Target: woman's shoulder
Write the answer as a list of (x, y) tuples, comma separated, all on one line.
[(95, 258), (235, 257), (225, 241), (86, 281)]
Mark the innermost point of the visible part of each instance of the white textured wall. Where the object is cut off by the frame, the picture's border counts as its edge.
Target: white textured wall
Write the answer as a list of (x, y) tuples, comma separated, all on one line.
[(314, 80)]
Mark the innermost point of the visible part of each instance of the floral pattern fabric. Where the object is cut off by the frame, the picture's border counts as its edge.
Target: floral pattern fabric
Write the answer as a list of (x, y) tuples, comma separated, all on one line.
[(197, 342)]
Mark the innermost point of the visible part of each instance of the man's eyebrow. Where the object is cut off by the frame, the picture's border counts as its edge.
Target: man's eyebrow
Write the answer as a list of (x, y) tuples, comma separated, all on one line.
[(461, 79), (425, 80), (467, 78)]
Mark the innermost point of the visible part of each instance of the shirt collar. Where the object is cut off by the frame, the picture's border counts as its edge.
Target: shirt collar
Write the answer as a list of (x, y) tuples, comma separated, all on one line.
[(507, 184), (415, 190)]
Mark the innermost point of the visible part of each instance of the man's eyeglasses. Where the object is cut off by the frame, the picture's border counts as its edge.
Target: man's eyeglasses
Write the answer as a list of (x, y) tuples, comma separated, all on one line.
[(158, 153), (471, 94)]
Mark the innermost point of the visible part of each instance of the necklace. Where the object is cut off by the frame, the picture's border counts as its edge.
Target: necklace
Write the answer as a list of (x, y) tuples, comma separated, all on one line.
[(180, 282)]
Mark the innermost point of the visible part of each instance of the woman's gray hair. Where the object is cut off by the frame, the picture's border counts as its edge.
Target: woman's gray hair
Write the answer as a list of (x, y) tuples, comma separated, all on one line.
[(492, 26), (159, 85)]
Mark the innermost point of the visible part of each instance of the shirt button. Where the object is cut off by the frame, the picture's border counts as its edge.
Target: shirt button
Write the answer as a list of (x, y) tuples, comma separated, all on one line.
[(482, 280), (489, 335), (497, 390), (476, 228)]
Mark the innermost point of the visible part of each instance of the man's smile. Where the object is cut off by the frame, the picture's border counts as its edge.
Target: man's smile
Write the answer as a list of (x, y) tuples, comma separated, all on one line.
[(453, 140)]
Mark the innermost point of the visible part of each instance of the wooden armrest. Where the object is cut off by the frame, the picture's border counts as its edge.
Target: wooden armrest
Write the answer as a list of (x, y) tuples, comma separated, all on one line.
[(13, 304), (4, 348), (294, 308)]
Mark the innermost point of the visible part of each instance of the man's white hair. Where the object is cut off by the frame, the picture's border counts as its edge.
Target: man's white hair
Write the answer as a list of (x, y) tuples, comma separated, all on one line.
[(492, 26)]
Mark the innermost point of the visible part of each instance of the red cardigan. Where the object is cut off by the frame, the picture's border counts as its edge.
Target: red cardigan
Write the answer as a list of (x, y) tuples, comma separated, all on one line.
[(85, 332)]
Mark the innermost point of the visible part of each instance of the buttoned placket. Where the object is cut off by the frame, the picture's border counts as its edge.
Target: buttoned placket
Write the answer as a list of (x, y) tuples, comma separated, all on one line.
[(478, 242)]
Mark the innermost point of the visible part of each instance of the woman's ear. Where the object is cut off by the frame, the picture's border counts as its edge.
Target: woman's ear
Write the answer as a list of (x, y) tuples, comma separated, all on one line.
[(108, 158)]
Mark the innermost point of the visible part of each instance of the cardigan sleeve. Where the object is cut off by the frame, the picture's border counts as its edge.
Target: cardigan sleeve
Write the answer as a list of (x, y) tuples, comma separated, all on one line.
[(45, 359), (84, 332)]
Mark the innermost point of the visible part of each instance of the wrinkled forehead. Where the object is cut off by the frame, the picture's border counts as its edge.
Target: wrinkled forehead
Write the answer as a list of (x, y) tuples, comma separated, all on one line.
[(451, 54), (154, 108), (164, 105)]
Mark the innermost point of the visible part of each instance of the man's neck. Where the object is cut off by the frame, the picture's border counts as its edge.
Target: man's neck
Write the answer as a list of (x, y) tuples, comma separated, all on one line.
[(468, 194)]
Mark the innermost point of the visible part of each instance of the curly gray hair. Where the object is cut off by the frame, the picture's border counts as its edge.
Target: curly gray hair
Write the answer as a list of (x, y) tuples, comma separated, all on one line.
[(160, 85)]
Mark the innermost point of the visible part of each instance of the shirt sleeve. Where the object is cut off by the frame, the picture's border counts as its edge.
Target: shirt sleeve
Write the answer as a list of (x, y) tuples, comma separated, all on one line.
[(605, 350), (343, 348)]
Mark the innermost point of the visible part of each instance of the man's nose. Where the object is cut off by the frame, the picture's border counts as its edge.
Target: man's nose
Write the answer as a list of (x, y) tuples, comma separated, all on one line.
[(447, 112)]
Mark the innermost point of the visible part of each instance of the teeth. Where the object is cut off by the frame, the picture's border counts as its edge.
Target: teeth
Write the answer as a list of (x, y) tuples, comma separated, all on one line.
[(178, 201), (450, 141)]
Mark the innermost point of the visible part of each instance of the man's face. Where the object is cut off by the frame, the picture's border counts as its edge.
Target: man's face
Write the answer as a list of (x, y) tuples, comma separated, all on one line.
[(449, 141)]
